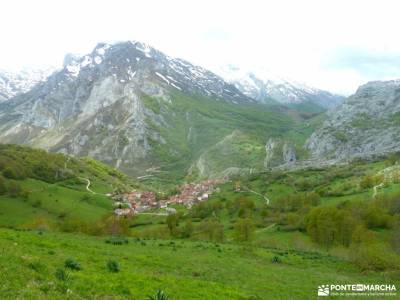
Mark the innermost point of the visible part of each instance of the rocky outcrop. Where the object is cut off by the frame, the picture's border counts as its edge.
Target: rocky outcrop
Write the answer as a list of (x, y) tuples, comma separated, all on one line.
[(366, 124), (278, 152)]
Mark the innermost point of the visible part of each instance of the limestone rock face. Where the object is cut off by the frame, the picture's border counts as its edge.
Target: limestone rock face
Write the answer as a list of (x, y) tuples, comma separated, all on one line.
[(279, 153), (366, 124)]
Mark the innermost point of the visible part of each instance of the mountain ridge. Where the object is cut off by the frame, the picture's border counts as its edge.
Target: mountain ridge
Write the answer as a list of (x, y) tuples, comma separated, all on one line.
[(264, 86)]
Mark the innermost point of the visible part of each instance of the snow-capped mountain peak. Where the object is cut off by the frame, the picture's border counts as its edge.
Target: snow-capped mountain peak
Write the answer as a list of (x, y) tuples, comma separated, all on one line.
[(13, 83), (262, 84)]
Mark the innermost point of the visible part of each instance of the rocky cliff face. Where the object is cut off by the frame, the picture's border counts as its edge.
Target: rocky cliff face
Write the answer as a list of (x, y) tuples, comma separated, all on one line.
[(279, 153), (126, 104), (366, 124)]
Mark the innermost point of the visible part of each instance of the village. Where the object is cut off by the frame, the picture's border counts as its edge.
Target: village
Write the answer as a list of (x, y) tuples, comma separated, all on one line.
[(137, 202)]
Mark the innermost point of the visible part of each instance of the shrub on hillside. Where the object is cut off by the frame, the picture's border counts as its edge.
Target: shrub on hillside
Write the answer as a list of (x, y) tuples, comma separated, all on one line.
[(375, 217), (62, 275), (14, 189), (159, 295), (70, 263), (244, 230), (374, 257), (113, 266), (367, 182), (212, 230)]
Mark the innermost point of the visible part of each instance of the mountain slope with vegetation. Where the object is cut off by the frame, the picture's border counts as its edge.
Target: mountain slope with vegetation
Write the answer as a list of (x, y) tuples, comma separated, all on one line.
[(40, 189)]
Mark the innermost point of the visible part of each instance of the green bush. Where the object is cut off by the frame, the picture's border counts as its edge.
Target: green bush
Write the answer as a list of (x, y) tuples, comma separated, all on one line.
[(72, 264), (62, 275), (37, 266), (367, 182), (375, 217), (276, 259), (244, 230), (113, 266), (374, 257), (14, 189), (159, 295)]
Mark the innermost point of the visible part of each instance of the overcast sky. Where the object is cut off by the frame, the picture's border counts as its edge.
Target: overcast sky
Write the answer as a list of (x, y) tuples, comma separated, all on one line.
[(334, 45)]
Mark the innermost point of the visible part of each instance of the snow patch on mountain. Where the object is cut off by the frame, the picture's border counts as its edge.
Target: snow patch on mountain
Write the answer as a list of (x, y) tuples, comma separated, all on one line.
[(262, 85), (13, 83)]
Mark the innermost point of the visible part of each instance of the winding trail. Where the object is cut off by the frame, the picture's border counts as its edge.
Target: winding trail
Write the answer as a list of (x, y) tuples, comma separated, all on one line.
[(375, 188), (88, 185), (258, 194), (265, 228)]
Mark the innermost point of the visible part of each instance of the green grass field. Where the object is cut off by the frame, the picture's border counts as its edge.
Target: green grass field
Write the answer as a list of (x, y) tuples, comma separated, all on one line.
[(182, 269)]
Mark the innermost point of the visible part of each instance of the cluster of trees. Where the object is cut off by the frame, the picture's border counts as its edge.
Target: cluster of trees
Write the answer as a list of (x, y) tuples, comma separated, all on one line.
[(11, 188), (329, 225), (108, 225), (17, 162), (354, 225), (209, 226)]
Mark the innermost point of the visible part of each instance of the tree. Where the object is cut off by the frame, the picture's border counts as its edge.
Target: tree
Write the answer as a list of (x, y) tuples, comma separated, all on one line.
[(213, 230), (362, 235), (328, 226), (3, 188), (367, 182), (376, 217), (114, 225), (244, 230), (188, 229), (172, 223)]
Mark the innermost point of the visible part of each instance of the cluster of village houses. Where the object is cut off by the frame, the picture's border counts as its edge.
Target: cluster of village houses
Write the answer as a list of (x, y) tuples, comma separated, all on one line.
[(140, 201)]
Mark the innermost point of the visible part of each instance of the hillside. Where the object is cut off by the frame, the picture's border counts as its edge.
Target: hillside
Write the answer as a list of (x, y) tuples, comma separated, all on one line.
[(39, 189)]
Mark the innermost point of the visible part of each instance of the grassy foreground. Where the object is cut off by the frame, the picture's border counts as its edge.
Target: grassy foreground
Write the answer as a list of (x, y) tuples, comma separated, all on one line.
[(29, 262)]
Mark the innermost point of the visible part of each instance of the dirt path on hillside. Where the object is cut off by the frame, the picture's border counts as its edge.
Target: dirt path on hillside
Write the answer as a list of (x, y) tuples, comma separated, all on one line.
[(375, 189), (258, 194), (88, 183)]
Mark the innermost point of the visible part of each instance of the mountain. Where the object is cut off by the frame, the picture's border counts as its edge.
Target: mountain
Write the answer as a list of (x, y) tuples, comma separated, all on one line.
[(137, 109), (365, 125), (265, 86), (13, 83)]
